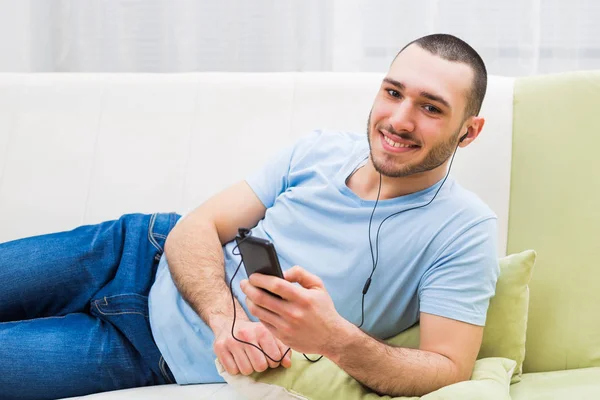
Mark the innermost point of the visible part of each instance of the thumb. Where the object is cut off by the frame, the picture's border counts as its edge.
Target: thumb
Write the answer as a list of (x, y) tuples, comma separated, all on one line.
[(303, 277)]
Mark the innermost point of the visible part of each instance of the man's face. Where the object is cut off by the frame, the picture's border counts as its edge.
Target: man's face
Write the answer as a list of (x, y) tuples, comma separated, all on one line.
[(418, 113)]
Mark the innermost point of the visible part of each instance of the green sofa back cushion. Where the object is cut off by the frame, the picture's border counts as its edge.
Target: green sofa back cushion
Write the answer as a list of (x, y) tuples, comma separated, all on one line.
[(555, 209)]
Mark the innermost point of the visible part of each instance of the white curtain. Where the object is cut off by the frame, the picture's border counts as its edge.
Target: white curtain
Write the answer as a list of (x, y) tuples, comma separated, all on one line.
[(515, 37)]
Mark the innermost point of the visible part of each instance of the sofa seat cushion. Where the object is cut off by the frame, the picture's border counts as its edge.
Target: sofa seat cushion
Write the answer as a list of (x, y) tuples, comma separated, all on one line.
[(325, 381), (216, 391), (581, 384)]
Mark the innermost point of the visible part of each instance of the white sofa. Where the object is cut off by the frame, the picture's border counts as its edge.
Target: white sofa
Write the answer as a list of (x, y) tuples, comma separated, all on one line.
[(82, 148)]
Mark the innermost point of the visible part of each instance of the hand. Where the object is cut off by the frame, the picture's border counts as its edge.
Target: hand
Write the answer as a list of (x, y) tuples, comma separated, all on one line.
[(304, 319), (239, 357)]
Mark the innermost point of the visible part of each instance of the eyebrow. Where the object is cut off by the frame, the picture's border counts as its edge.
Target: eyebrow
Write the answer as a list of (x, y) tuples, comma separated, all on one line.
[(427, 95)]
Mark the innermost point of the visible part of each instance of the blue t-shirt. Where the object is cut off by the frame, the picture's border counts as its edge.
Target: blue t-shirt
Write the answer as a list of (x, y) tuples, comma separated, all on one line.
[(440, 259)]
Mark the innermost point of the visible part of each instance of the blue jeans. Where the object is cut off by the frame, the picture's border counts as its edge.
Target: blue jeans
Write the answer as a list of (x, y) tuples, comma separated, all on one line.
[(74, 309)]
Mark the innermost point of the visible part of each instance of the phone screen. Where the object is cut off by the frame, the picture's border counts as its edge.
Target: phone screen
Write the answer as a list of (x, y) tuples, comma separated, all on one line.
[(259, 255)]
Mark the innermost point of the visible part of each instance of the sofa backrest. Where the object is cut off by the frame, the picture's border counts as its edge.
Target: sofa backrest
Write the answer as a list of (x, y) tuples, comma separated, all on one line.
[(81, 148), (555, 209)]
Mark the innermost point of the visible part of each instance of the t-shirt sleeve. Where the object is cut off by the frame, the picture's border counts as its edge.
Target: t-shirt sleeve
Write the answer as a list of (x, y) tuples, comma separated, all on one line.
[(272, 179), (463, 279)]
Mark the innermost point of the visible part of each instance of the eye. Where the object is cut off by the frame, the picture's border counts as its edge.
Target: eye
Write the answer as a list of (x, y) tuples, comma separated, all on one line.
[(431, 109), (393, 93)]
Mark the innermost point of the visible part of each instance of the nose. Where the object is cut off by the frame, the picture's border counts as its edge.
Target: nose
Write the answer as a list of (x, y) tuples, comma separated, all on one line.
[(402, 119)]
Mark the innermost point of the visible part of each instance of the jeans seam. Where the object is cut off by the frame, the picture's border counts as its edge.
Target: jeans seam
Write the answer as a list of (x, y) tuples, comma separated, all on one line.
[(117, 313), (172, 221), (105, 298), (161, 365), (40, 318), (151, 233)]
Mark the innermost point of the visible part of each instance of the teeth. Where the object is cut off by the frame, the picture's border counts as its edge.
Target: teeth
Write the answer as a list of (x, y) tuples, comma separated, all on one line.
[(395, 144)]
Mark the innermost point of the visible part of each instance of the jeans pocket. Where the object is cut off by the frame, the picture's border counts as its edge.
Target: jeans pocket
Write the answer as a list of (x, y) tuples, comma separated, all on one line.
[(129, 314), (165, 370), (159, 226)]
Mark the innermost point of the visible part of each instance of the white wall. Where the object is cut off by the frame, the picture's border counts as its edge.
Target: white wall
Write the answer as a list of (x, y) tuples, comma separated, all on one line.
[(14, 36), (514, 37)]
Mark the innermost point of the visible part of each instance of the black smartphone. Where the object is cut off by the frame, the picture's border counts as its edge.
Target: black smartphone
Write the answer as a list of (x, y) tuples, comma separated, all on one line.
[(259, 255)]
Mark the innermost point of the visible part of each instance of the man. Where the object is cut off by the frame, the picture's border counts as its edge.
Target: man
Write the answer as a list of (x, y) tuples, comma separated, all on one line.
[(117, 320)]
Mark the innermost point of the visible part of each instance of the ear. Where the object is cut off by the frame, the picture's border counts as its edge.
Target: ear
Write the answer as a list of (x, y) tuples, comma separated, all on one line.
[(473, 126)]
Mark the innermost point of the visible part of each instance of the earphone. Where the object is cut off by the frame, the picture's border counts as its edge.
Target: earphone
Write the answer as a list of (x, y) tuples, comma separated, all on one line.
[(374, 258), (244, 234)]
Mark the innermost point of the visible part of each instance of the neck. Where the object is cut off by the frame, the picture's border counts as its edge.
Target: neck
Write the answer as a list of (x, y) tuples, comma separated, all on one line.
[(365, 182)]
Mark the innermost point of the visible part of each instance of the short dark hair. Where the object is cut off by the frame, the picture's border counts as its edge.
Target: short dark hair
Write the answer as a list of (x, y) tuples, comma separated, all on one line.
[(454, 49)]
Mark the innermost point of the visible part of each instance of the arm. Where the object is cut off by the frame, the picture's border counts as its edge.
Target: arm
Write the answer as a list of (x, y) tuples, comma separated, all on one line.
[(446, 355), (306, 320), (195, 254), (195, 257)]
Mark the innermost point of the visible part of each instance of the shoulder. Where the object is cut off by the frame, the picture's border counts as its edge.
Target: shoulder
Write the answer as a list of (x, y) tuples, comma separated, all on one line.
[(463, 220), (468, 205), (326, 144)]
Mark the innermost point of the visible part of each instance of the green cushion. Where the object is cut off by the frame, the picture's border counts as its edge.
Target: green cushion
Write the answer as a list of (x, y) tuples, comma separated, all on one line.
[(325, 381), (560, 385), (505, 330), (554, 208), (503, 339)]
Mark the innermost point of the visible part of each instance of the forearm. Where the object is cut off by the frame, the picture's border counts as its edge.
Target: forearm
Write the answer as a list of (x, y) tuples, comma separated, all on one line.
[(195, 257), (390, 370)]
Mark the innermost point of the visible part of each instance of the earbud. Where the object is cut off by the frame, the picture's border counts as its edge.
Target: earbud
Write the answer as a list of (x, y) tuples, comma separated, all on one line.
[(244, 232), (463, 137)]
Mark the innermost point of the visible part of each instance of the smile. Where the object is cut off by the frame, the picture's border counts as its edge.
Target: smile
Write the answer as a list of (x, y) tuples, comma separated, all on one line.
[(396, 146)]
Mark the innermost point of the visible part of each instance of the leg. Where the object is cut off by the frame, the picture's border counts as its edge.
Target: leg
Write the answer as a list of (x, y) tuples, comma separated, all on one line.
[(67, 356), (57, 274), (105, 270)]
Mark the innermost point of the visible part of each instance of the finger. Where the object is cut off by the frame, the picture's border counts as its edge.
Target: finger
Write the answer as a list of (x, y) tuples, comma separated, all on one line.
[(241, 360), (257, 359), (287, 359), (265, 315), (228, 363), (268, 343), (259, 297), (303, 277), (275, 285)]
